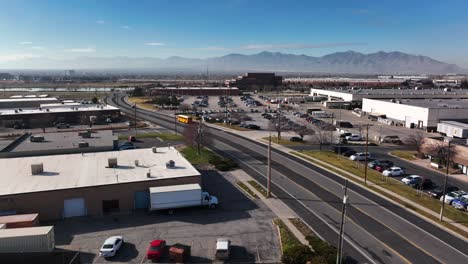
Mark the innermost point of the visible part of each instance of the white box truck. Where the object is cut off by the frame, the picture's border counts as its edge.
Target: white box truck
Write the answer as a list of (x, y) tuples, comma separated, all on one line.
[(178, 196), (27, 239)]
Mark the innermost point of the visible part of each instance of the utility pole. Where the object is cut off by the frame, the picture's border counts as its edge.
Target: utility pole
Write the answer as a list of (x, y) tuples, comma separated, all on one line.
[(331, 132), (134, 118), (442, 208), (200, 137), (175, 122), (367, 154), (269, 168), (339, 255), (279, 124)]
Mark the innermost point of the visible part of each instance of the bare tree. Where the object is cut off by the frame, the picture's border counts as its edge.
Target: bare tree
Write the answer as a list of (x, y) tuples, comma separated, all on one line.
[(194, 135), (439, 150), (302, 131), (416, 140), (322, 135), (184, 108)]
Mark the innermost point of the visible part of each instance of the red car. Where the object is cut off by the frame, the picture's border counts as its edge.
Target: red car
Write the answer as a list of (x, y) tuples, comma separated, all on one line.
[(156, 249)]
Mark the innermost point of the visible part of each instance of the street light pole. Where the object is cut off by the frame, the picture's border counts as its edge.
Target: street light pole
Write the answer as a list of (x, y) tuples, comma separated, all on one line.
[(269, 167), (279, 124), (442, 208), (339, 255)]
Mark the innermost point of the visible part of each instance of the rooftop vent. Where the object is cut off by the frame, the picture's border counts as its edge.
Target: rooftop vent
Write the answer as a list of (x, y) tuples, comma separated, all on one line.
[(37, 168), (154, 149), (148, 174), (170, 164), (137, 163), (112, 162)]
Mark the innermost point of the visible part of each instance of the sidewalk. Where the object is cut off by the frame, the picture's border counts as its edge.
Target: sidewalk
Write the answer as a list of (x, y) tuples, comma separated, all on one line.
[(277, 206)]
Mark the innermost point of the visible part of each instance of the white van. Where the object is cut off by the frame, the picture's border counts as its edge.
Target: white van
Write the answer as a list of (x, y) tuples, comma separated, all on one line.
[(223, 248)]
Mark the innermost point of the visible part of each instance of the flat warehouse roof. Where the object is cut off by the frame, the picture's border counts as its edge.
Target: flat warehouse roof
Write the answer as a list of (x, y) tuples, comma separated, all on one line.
[(91, 169), (455, 124), (434, 103), (25, 231), (66, 140), (28, 99), (379, 91), (63, 109)]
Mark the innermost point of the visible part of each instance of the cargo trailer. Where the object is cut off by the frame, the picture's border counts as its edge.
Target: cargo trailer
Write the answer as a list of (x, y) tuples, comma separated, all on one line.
[(27, 239)]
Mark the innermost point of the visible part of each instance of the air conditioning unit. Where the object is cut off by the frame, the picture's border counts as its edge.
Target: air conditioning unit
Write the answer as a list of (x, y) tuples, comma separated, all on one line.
[(37, 168), (170, 164), (112, 162)]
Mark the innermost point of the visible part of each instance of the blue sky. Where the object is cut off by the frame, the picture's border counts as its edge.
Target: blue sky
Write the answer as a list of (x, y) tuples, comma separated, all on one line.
[(65, 29)]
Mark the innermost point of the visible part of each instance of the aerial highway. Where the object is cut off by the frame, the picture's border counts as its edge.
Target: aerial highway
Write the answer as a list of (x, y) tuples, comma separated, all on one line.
[(376, 229)]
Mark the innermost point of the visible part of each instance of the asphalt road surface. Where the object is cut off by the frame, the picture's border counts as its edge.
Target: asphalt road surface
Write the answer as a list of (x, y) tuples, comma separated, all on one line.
[(376, 230)]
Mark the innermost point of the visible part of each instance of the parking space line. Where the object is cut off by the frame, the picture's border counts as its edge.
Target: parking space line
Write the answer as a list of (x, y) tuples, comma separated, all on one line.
[(143, 259)]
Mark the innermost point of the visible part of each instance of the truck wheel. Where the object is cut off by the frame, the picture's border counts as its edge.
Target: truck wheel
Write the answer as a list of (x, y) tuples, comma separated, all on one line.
[(213, 206)]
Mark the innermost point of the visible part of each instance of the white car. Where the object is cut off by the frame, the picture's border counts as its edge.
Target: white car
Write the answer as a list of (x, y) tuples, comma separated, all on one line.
[(449, 197), (393, 171), (360, 156), (353, 138), (111, 246), (412, 178)]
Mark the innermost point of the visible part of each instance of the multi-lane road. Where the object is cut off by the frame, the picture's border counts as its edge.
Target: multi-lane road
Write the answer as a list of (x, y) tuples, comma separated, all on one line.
[(376, 230)]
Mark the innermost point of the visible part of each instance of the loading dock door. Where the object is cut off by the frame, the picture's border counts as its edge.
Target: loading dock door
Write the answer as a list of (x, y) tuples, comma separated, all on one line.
[(142, 200), (74, 207)]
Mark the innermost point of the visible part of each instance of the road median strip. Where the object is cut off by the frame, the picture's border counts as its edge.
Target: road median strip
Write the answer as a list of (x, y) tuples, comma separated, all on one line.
[(246, 189)]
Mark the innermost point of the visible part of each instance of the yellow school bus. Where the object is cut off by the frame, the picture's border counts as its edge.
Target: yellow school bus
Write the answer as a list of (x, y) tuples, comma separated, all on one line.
[(184, 119)]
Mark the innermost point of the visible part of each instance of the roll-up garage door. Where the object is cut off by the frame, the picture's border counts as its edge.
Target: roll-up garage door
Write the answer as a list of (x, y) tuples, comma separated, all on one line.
[(74, 207)]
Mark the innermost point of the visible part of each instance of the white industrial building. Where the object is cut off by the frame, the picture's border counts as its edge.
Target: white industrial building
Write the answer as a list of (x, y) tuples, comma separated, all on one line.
[(424, 114), (356, 95), (453, 129)]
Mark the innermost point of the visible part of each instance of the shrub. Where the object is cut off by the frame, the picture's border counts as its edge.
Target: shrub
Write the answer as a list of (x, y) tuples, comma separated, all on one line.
[(323, 249), (297, 254), (222, 164)]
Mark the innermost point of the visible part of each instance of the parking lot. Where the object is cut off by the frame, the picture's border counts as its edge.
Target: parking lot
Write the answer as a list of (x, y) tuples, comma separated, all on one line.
[(246, 223)]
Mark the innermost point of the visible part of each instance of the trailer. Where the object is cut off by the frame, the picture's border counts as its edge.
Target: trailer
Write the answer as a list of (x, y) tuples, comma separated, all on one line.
[(20, 220), (27, 239), (179, 196)]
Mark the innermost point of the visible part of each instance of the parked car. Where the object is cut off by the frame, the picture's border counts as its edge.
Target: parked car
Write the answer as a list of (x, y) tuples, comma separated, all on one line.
[(449, 197), (360, 156), (353, 138), (461, 203), (111, 246), (412, 180), (346, 134), (296, 139), (376, 163), (127, 147), (393, 171), (156, 249), (437, 192), (62, 125), (382, 167), (349, 153), (252, 126), (36, 138)]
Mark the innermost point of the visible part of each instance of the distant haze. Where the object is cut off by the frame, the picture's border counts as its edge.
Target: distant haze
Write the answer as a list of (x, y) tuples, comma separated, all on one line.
[(341, 62)]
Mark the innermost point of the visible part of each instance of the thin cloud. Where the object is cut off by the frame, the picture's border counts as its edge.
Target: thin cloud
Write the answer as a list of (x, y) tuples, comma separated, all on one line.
[(37, 48), (282, 46), (15, 57), (101, 22), (81, 50), (126, 27), (155, 44), (25, 43)]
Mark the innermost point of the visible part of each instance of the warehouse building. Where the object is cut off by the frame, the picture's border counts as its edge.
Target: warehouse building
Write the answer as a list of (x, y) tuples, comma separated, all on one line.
[(48, 114), (26, 102), (196, 91), (356, 95), (89, 184), (263, 81), (60, 143), (423, 114)]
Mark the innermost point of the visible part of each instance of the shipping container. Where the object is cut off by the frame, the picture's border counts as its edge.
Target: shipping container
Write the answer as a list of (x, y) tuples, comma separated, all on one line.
[(28, 239), (20, 220)]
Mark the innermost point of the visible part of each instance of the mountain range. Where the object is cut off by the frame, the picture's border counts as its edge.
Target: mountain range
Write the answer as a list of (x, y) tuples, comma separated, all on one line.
[(340, 62)]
